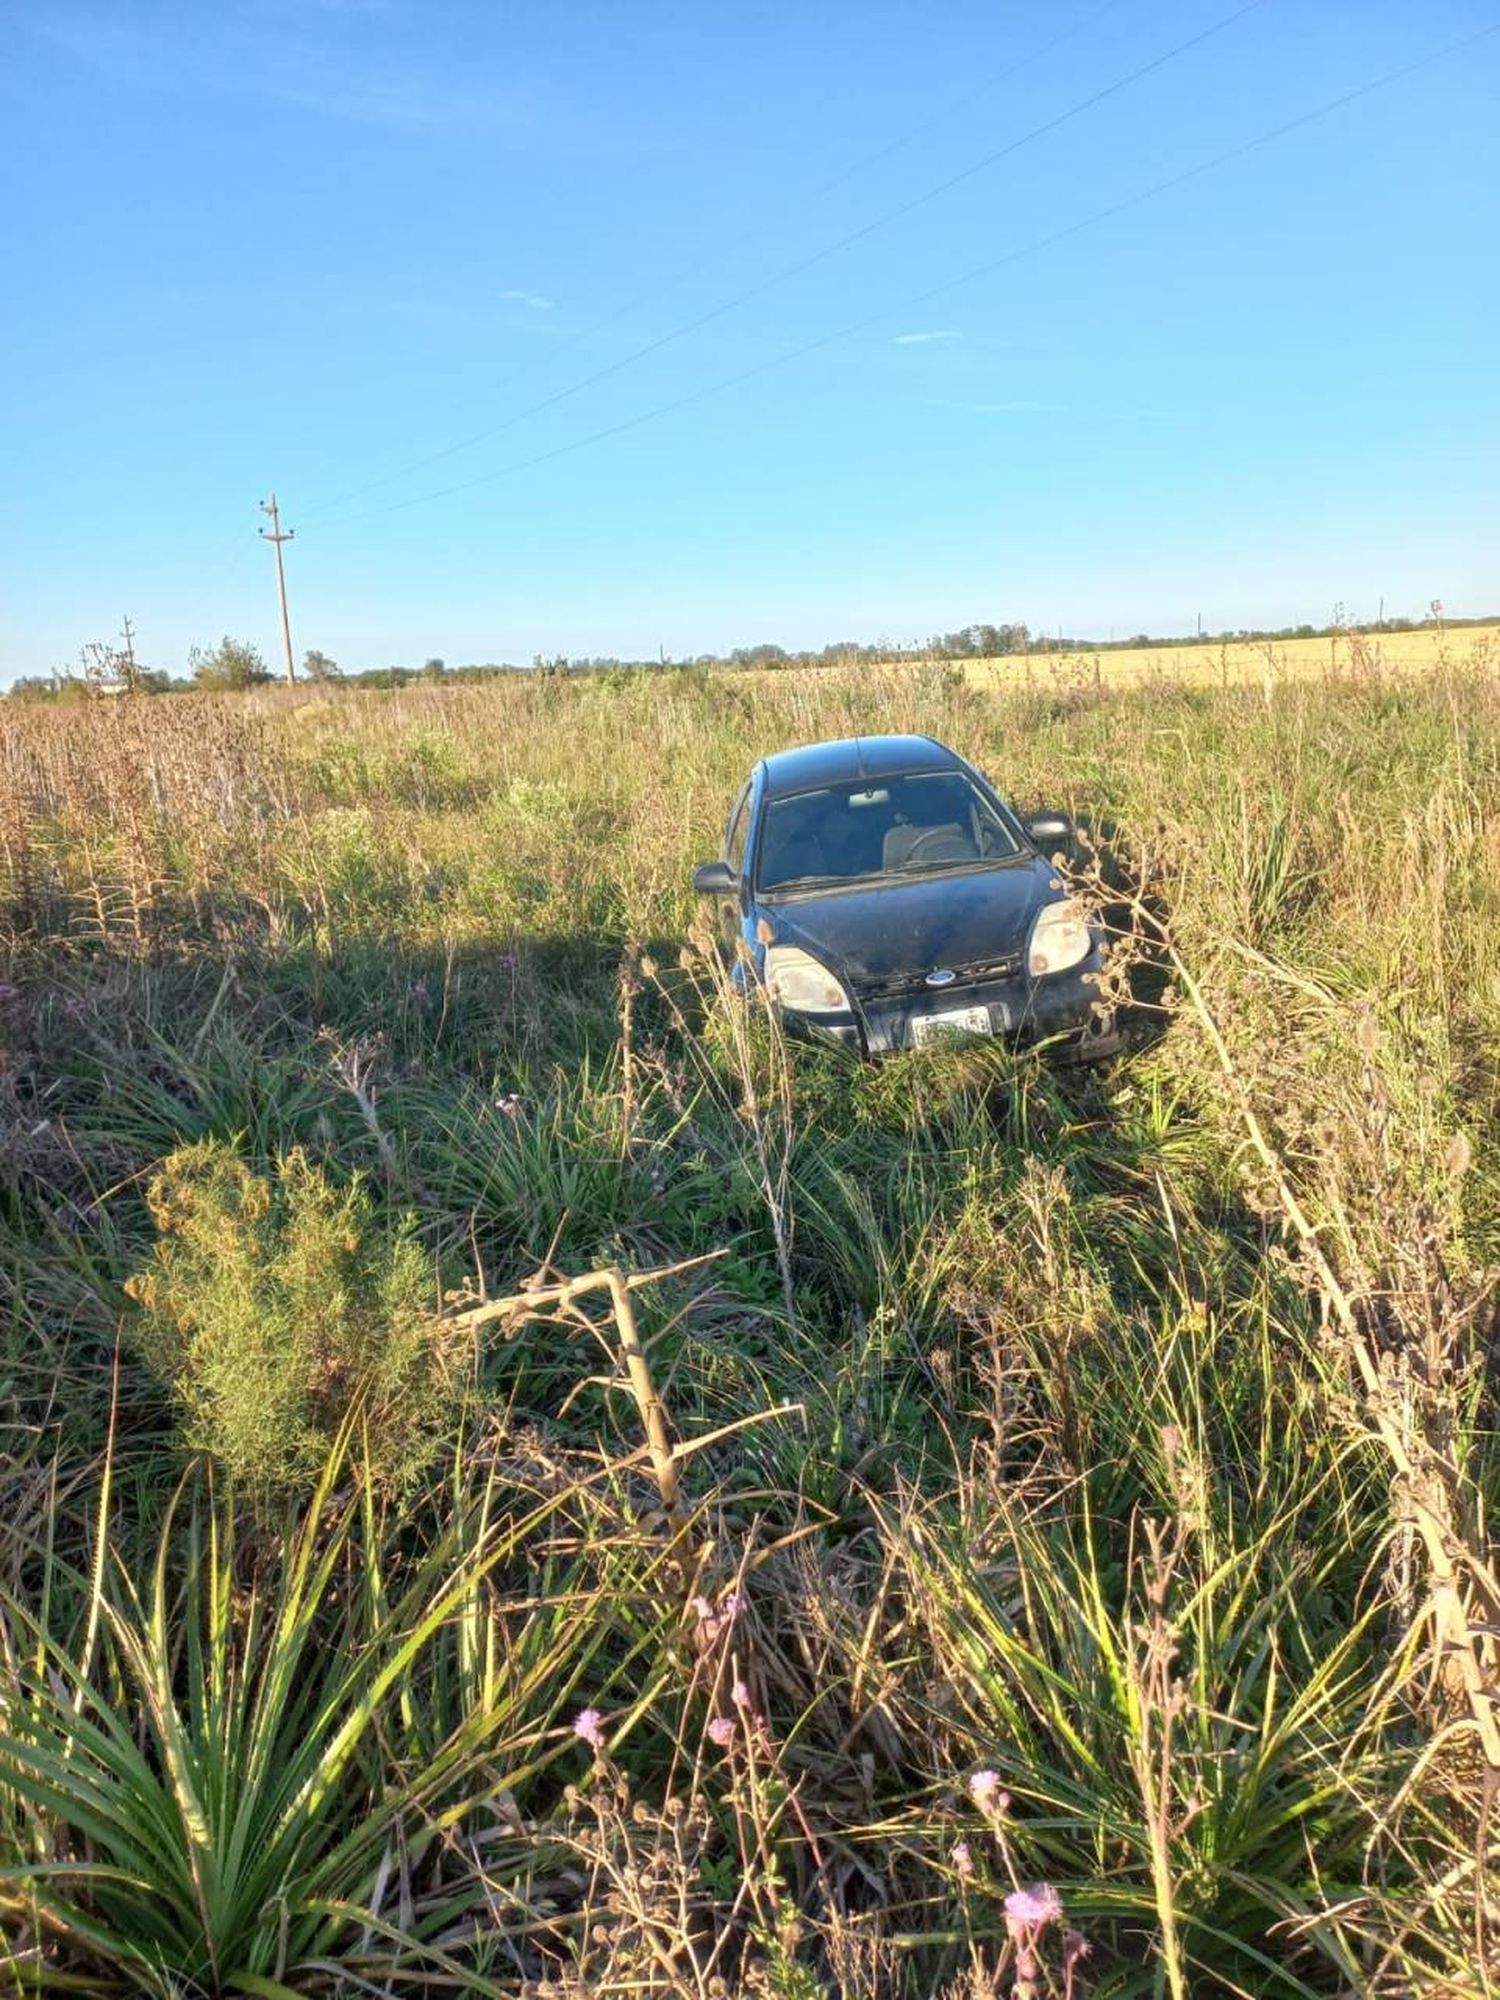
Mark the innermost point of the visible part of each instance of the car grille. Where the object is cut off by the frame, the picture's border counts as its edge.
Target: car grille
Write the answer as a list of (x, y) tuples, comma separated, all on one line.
[(901, 985)]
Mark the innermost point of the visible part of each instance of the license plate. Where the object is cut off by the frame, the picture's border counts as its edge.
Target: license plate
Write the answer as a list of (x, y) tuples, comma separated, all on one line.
[(957, 1021)]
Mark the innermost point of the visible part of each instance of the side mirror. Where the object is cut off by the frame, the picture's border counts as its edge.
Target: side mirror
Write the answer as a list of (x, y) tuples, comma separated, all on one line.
[(1050, 827), (715, 878)]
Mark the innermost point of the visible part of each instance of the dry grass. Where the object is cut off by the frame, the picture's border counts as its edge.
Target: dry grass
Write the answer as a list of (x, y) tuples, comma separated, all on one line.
[(1044, 1480)]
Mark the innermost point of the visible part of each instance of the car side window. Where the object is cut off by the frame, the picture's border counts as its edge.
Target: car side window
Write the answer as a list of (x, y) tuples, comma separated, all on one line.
[(739, 828)]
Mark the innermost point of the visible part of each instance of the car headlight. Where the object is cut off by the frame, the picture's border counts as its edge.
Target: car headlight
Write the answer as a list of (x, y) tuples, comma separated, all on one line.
[(1060, 938), (795, 979)]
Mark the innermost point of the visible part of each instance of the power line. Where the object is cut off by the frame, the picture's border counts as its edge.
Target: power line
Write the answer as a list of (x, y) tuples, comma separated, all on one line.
[(699, 262), (952, 106), (1030, 249), (814, 258)]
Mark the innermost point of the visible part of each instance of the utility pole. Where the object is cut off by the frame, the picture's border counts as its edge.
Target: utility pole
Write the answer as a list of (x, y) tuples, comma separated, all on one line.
[(276, 536), (128, 672)]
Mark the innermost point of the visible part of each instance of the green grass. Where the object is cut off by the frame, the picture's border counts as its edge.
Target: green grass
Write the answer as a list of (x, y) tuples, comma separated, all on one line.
[(1019, 1426)]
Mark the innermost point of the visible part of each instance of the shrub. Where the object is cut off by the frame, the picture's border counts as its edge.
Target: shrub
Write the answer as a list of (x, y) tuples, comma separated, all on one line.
[(275, 1309), (232, 664)]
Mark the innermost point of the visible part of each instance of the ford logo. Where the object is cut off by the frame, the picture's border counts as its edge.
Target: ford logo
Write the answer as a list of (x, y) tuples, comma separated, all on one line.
[(942, 977)]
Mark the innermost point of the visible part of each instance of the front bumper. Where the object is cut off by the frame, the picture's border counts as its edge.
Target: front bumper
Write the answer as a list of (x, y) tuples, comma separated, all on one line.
[(1063, 1007)]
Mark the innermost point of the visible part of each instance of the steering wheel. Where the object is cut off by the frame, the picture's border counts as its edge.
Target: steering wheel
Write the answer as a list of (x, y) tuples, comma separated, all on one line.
[(959, 846)]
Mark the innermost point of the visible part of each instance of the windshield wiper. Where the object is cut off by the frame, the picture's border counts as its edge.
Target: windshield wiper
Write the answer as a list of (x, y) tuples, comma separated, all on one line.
[(808, 882), (937, 867)]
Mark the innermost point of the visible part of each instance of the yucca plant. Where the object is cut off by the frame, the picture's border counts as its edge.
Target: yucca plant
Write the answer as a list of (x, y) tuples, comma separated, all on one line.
[(287, 1765), (1195, 1750)]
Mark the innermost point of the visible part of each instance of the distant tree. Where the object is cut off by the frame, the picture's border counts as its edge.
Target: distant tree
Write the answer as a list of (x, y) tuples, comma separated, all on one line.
[(40, 687), (978, 641), (109, 668), (317, 666), (232, 664), (433, 667)]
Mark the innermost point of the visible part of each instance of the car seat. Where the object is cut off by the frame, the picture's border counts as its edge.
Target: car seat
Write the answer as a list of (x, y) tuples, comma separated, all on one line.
[(948, 842), (792, 849)]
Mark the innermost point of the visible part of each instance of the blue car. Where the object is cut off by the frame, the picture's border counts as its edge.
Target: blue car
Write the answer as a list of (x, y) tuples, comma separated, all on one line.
[(885, 896)]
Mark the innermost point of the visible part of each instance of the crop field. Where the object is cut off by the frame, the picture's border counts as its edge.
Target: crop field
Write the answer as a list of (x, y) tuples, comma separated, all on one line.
[(1269, 662), (516, 1478)]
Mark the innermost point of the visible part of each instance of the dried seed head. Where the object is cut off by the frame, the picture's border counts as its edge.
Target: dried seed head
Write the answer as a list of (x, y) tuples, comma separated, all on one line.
[(1367, 1034), (1460, 1155)]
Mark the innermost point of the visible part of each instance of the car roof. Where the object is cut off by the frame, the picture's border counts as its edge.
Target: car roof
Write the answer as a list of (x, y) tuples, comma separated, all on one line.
[(815, 765)]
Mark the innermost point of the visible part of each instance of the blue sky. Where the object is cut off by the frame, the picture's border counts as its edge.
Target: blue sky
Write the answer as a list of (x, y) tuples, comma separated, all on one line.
[(308, 244)]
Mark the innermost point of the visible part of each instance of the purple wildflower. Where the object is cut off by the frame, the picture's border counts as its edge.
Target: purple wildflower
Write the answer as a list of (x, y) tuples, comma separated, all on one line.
[(588, 1727), (1029, 1911), (714, 1620), (1027, 1914), (740, 1695), (1076, 1947), (721, 1730), (985, 1790), (963, 1860)]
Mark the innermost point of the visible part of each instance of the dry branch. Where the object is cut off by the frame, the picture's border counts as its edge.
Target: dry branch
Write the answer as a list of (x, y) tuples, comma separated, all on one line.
[(540, 1301)]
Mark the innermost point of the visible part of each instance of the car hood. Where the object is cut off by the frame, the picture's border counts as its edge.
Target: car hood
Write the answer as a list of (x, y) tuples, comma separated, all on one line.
[(919, 924)]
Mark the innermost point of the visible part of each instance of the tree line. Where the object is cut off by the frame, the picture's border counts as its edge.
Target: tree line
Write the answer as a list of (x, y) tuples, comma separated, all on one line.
[(235, 665)]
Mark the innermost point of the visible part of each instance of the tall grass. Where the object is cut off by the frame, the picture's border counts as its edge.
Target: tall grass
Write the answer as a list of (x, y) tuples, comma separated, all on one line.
[(1077, 1479)]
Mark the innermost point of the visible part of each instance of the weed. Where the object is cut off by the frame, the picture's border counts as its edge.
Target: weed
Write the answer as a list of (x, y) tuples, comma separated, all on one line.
[(275, 1309)]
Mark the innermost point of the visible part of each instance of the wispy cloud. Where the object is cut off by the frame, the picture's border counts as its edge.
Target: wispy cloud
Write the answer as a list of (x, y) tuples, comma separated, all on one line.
[(403, 102), (309, 66), (922, 339), (360, 9), (536, 303), (987, 409)]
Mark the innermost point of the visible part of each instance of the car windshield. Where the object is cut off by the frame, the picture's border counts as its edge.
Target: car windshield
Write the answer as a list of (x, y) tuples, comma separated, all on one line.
[(926, 821)]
